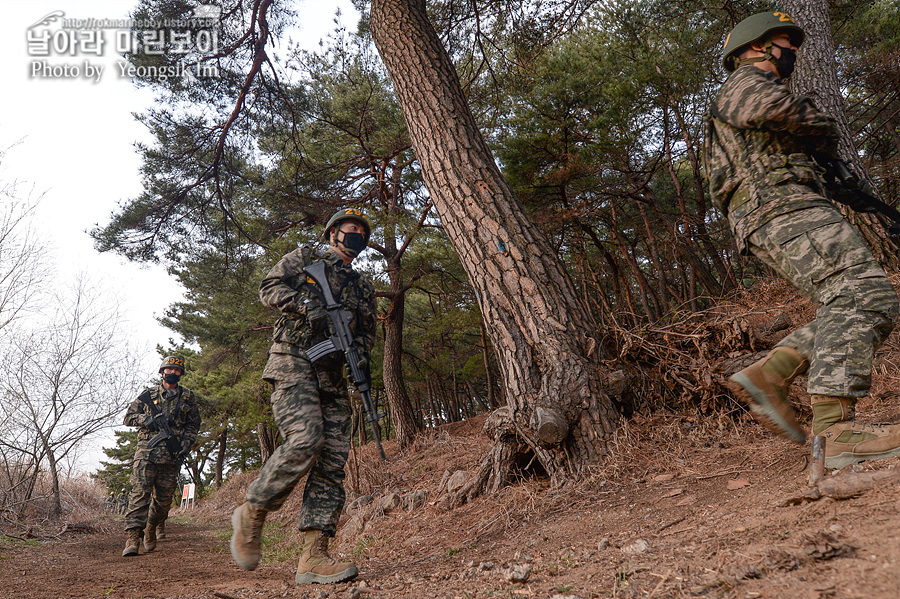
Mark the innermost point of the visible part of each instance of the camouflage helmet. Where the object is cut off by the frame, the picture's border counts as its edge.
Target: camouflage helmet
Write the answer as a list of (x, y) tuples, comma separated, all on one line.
[(172, 362), (349, 214), (757, 27)]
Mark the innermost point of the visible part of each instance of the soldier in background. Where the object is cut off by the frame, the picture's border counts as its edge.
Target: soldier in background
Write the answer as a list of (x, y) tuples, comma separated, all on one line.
[(760, 142), (155, 469), (121, 502), (310, 401)]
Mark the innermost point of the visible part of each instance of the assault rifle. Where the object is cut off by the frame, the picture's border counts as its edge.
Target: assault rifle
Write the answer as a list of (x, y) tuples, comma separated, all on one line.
[(165, 434), (342, 340), (846, 188)]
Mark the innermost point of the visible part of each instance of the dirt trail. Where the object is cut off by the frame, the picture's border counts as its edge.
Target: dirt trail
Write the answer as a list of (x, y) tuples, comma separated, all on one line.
[(689, 508), (191, 562)]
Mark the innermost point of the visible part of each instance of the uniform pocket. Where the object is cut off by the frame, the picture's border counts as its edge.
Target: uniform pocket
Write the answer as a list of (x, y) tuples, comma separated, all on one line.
[(742, 204), (818, 254), (797, 167)]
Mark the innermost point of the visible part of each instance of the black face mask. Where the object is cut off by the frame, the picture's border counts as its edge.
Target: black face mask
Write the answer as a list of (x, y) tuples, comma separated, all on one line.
[(785, 64), (354, 242), (171, 378)]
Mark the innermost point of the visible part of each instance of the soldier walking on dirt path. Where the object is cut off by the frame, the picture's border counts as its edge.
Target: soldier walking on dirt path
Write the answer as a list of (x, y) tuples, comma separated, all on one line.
[(310, 400), (760, 141), (168, 420)]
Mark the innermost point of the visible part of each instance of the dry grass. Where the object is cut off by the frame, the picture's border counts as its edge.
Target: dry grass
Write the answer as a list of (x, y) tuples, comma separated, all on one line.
[(83, 509)]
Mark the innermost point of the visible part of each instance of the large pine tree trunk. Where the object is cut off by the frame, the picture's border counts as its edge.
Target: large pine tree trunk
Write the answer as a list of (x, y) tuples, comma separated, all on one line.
[(541, 332), (816, 76)]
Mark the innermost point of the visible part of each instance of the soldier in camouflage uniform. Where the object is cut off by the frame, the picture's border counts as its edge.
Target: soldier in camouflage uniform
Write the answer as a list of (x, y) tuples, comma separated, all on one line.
[(759, 143), (122, 502), (154, 473), (310, 401)]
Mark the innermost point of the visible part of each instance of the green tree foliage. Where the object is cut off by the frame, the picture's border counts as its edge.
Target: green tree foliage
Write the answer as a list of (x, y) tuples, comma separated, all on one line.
[(603, 143), (115, 474), (867, 37), (332, 136), (594, 110)]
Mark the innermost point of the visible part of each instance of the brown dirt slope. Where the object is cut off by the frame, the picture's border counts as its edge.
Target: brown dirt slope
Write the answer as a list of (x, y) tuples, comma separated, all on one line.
[(688, 506)]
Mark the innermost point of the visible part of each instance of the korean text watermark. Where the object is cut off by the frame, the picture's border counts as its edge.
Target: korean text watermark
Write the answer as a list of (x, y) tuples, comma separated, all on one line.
[(61, 47)]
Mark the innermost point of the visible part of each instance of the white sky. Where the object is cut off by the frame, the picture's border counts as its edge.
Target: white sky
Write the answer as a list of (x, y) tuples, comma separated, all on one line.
[(75, 141)]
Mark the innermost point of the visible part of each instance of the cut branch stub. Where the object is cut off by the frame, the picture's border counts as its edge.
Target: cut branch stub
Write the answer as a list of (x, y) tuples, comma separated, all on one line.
[(550, 425)]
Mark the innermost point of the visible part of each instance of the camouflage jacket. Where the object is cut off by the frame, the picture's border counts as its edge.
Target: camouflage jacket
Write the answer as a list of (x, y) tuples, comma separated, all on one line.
[(180, 405), (304, 321), (759, 140)]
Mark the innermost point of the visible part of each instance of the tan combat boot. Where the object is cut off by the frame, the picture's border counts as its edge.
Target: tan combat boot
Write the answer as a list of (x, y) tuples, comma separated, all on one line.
[(161, 530), (150, 538), (247, 524), (316, 566), (763, 386), (132, 542), (846, 440)]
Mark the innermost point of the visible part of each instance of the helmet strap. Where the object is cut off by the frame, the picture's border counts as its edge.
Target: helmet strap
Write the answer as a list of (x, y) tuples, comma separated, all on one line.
[(767, 56)]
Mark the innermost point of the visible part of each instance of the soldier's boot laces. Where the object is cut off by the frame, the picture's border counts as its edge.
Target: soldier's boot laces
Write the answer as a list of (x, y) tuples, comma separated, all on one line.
[(132, 542), (247, 524), (316, 566), (846, 440), (764, 385), (161, 530), (150, 538)]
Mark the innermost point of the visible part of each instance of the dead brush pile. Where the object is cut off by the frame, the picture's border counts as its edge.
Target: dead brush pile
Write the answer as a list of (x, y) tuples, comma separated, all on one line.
[(685, 359), (83, 502)]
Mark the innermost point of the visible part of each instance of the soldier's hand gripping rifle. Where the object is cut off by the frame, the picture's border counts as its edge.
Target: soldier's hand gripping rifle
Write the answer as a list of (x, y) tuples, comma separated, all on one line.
[(166, 434), (342, 340), (846, 188)]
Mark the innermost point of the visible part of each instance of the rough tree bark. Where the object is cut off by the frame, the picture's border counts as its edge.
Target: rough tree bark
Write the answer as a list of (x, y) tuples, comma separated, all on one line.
[(548, 358), (402, 416), (267, 438), (816, 76)]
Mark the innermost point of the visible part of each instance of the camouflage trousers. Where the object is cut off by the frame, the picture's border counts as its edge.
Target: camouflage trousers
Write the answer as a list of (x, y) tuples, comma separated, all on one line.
[(823, 256), (312, 410), (152, 488)]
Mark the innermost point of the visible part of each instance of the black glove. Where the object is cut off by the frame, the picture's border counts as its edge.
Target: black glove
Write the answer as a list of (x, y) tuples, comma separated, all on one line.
[(186, 446), (151, 422), (317, 317)]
